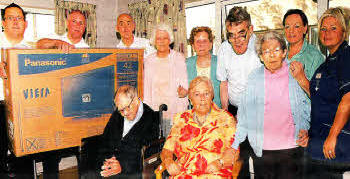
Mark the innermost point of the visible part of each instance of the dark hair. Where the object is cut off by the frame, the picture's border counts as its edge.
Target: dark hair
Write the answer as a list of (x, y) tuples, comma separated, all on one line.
[(300, 13), (9, 6), (238, 15)]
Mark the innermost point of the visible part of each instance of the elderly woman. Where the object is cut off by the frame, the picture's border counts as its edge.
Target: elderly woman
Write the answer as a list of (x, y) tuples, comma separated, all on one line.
[(305, 58), (199, 137), (273, 114), (204, 63), (165, 76), (329, 145)]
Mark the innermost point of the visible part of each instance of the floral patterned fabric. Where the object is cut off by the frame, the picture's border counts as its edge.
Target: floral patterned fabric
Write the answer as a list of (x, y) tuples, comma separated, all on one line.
[(197, 146)]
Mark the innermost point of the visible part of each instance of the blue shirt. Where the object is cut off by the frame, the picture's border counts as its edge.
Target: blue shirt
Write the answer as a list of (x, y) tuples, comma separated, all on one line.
[(192, 73), (329, 84)]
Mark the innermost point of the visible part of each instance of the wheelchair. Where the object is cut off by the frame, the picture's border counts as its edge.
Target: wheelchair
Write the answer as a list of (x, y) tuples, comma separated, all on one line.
[(150, 153)]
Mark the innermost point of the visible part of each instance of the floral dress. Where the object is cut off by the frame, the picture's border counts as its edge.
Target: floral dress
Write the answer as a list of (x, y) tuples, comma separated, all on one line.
[(197, 146)]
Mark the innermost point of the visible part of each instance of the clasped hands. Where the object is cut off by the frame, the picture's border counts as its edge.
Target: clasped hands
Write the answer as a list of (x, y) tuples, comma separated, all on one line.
[(227, 160), (110, 167)]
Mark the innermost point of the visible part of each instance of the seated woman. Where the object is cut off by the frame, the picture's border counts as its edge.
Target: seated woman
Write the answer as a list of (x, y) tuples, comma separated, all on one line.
[(204, 63), (274, 114), (199, 137)]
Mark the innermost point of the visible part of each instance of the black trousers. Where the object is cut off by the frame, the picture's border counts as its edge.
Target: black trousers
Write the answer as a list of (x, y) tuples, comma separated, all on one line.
[(319, 169), (4, 142), (52, 159), (16, 167), (245, 150), (277, 164)]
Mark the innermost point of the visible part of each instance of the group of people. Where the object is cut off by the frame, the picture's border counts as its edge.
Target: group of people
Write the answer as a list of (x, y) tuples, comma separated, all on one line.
[(277, 102)]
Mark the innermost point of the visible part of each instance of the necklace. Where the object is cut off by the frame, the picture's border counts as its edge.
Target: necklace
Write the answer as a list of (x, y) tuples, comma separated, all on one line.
[(198, 121)]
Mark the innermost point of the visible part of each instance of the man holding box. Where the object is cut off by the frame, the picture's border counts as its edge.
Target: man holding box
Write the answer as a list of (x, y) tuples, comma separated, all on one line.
[(14, 25), (76, 27)]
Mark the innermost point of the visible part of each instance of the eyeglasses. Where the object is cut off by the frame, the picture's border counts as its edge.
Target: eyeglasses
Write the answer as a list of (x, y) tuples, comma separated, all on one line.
[(275, 51), (126, 108), (241, 36), (202, 41), (200, 95), (13, 18)]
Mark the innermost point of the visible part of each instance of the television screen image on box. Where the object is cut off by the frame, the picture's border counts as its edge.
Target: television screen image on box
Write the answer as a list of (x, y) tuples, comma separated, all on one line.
[(88, 94)]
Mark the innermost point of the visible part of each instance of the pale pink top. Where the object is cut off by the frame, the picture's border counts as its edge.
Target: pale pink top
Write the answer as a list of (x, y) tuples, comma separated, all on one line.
[(161, 80), (278, 120)]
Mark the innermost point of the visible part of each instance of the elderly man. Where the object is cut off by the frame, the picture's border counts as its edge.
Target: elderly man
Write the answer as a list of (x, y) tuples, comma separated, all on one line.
[(76, 26), (126, 26), (129, 128), (236, 59)]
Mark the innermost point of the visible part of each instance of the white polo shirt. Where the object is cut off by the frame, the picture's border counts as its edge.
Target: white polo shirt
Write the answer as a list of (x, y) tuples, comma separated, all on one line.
[(5, 44), (80, 44), (139, 43), (236, 68)]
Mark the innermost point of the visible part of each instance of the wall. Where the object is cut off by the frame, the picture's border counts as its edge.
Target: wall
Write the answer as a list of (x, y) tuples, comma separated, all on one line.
[(106, 11)]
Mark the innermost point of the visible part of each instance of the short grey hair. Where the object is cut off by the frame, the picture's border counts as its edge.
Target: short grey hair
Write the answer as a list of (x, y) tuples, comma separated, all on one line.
[(126, 90), (198, 80), (162, 27), (270, 35)]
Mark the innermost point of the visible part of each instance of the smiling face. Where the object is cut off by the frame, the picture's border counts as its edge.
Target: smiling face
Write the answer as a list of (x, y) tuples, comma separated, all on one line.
[(14, 24), (76, 24), (201, 97), (239, 35), (331, 33), (202, 44), (162, 41), (272, 55), (294, 29)]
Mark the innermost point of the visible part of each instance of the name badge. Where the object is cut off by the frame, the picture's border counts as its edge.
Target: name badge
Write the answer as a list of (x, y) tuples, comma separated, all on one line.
[(318, 75)]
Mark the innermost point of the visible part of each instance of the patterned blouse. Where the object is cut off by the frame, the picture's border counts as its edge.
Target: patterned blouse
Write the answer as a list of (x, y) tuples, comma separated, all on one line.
[(197, 146)]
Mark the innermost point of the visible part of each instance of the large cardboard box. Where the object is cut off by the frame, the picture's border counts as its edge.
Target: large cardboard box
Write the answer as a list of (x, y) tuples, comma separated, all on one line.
[(55, 99)]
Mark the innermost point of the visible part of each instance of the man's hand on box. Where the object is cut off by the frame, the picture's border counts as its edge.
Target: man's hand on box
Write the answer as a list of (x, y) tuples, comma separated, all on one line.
[(62, 45)]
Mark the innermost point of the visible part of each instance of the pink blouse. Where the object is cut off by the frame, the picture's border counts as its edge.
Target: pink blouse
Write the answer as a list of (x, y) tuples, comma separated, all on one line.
[(157, 90)]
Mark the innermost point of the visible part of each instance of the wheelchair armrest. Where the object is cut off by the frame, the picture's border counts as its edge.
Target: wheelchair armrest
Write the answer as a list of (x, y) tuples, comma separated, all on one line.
[(159, 171), (236, 168), (152, 148)]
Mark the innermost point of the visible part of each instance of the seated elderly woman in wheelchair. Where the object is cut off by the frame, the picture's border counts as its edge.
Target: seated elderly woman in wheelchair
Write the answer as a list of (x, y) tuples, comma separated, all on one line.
[(200, 138)]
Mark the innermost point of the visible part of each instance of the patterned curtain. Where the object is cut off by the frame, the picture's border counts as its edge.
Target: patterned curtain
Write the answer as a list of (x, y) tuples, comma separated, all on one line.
[(149, 13), (63, 8)]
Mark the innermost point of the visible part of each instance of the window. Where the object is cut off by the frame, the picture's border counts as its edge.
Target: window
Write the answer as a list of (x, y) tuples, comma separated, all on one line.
[(339, 3), (199, 16), (39, 26), (274, 10)]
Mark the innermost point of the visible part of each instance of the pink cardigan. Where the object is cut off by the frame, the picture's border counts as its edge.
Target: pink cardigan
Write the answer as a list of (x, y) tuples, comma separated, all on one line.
[(178, 74)]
